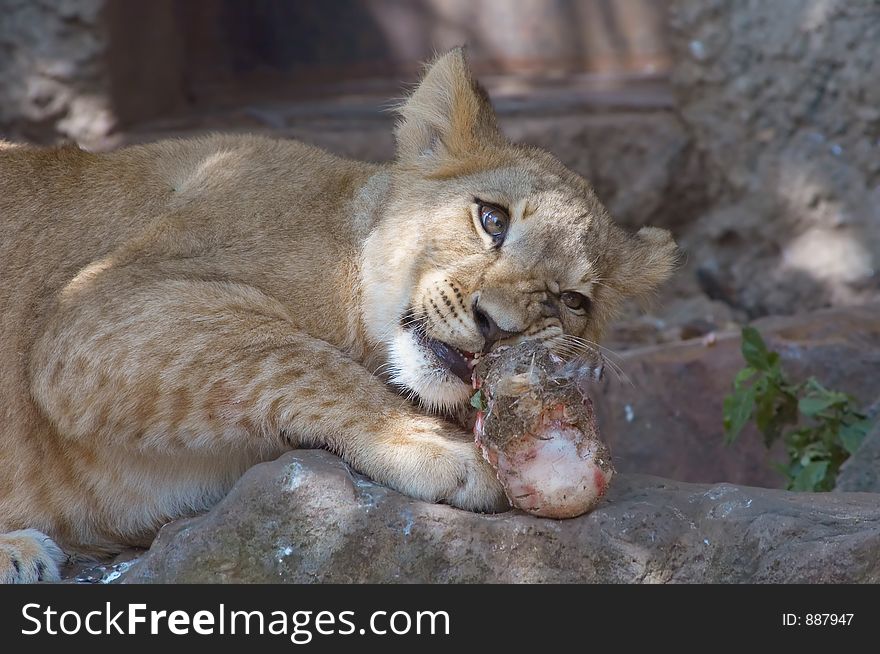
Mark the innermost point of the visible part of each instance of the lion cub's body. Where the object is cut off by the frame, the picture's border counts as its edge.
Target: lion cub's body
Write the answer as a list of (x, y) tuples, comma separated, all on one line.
[(171, 314), (235, 201)]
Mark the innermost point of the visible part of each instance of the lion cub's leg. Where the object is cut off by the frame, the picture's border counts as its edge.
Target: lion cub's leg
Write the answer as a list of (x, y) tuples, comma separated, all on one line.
[(28, 556), (209, 369)]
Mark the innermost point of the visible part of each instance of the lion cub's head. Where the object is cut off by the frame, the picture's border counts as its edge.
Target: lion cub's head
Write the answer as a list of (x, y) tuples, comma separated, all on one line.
[(482, 241)]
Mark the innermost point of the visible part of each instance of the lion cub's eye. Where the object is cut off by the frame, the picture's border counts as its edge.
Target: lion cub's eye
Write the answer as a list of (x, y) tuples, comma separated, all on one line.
[(577, 302), (494, 221)]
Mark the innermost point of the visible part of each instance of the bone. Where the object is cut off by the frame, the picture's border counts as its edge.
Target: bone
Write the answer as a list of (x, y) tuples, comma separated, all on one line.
[(537, 428)]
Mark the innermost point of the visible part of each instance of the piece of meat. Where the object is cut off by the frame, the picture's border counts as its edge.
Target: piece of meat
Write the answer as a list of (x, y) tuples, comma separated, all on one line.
[(536, 427)]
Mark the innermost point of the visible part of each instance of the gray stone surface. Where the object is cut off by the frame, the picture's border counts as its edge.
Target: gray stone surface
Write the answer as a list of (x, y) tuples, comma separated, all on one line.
[(307, 518), (861, 472), (53, 69), (781, 98), (641, 164), (79, 69)]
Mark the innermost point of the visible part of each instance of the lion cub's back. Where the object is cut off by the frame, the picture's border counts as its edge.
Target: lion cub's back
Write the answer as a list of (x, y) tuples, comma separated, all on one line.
[(61, 208), (64, 208)]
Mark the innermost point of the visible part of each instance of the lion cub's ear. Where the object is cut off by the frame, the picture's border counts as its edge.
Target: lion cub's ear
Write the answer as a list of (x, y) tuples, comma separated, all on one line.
[(448, 114), (650, 260)]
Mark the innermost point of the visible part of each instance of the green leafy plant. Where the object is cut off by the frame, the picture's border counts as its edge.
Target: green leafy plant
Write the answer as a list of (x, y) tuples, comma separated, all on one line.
[(478, 401), (819, 427)]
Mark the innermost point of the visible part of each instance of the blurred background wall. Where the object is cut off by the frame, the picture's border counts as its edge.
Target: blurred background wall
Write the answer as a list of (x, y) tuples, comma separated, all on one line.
[(83, 68)]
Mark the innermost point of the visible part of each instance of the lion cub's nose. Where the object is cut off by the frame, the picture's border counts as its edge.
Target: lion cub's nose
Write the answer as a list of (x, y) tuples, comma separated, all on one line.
[(489, 329)]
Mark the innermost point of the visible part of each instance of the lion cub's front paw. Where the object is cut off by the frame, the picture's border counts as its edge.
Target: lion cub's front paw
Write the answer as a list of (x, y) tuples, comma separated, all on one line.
[(28, 556), (429, 459), (478, 488), (433, 461)]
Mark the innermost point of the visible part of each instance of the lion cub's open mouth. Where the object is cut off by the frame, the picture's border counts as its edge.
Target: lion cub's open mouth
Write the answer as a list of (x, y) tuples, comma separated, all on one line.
[(459, 362)]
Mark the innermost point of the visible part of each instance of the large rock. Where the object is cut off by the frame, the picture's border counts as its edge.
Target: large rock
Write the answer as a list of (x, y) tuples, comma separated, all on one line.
[(307, 517), (781, 99), (861, 472), (640, 163), (664, 418)]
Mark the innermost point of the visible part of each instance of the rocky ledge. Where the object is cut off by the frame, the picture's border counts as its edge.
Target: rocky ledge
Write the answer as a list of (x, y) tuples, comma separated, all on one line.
[(307, 517)]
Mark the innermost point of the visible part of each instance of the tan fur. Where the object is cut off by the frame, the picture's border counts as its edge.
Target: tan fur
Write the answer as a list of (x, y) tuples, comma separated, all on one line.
[(173, 313)]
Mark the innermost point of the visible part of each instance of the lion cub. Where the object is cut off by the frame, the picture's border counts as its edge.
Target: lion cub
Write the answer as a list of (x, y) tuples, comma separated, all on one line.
[(173, 313)]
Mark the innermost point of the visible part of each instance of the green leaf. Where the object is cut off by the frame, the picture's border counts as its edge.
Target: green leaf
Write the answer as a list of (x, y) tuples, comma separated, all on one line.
[(834, 397), (812, 452), (812, 405), (797, 440), (737, 411), (851, 436), (765, 414), (743, 376), (754, 350), (834, 429), (478, 401), (810, 477), (815, 387)]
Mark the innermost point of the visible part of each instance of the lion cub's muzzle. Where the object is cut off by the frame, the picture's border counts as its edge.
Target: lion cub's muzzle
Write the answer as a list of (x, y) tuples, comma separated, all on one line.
[(489, 329)]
